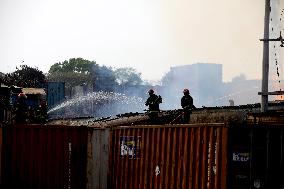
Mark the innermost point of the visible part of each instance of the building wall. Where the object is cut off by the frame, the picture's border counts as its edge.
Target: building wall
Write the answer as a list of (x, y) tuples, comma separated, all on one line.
[(204, 81)]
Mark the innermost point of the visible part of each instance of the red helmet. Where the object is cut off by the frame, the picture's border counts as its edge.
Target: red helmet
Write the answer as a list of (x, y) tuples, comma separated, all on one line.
[(151, 91), (185, 91), (22, 95)]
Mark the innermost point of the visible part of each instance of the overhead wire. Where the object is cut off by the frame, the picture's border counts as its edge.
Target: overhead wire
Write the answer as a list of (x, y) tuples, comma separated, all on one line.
[(276, 27)]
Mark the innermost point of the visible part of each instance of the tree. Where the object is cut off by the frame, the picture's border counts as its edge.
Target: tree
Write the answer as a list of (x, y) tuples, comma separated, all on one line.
[(26, 77), (75, 65), (74, 72), (104, 78), (239, 78), (127, 76), (79, 71)]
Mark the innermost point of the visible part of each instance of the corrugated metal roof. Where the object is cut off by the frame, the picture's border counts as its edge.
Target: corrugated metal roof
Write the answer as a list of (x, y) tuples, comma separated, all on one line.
[(3, 85), (39, 91)]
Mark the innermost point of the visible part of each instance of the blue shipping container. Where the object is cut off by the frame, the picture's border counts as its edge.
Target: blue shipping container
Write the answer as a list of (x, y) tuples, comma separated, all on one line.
[(55, 93)]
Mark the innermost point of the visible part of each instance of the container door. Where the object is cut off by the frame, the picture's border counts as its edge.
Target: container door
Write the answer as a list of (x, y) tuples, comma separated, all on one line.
[(256, 158)]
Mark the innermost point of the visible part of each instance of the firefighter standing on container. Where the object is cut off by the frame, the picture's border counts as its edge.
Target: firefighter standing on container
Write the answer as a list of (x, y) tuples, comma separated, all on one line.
[(21, 108), (153, 102), (187, 105)]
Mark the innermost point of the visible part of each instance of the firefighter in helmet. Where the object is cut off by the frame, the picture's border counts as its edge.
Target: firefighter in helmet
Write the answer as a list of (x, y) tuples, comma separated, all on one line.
[(21, 108), (153, 102), (187, 105)]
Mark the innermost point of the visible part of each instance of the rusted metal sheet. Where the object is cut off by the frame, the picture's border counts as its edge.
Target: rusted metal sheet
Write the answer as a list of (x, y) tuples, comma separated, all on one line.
[(176, 156), (98, 156), (34, 91), (266, 119), (44, 157)]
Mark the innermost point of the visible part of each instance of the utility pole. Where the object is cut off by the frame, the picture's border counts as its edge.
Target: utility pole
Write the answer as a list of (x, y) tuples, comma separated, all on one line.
[(265, 60)]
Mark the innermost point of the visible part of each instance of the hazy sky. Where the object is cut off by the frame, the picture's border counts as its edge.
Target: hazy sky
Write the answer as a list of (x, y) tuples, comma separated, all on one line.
[(149, 35)]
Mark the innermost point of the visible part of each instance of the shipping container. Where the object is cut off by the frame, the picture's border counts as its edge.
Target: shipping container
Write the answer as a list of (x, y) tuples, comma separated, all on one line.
[(44, 157), (256, 157), (173, 156), (5, 104), (233, 155), (98, 158), (55, 93), (0, 154)]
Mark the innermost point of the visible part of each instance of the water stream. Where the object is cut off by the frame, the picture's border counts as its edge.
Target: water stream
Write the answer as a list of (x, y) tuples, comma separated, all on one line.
[(97, 104)]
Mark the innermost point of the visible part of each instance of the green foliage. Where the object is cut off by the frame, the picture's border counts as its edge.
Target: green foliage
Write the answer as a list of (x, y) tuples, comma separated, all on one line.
[(74, 65), (78, 71), (104, 78), (26, 77), (71, 79), (74, 72), (127, 76)]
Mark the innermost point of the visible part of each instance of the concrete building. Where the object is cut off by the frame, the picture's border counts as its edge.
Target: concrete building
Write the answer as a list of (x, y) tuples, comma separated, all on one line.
[(204, 81)]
